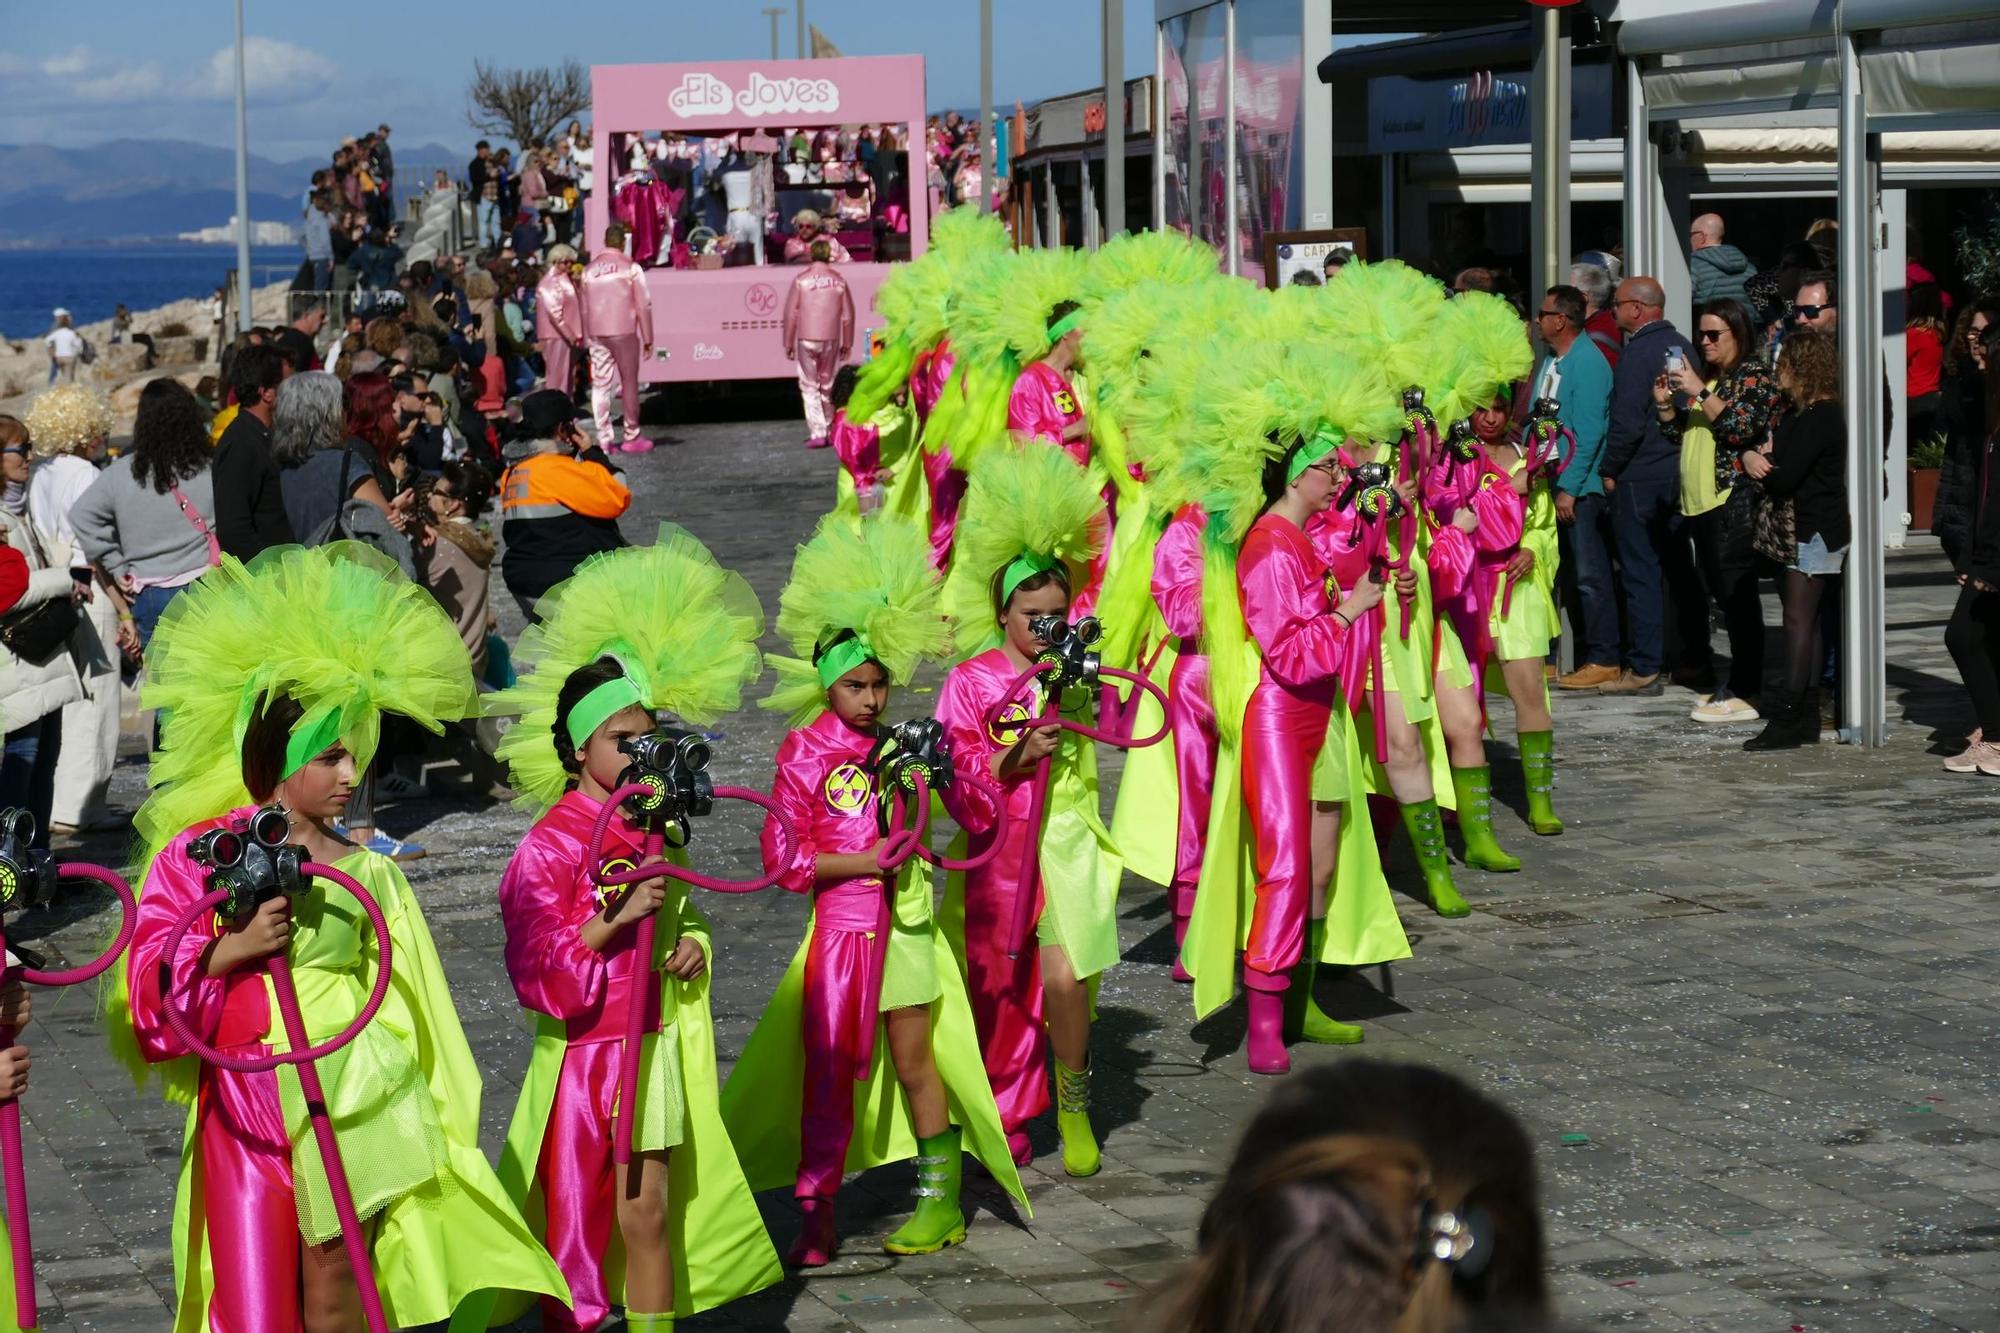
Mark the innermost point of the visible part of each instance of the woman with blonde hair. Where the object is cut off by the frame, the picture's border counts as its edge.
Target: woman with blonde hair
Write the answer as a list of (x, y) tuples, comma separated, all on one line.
[(70, 426)]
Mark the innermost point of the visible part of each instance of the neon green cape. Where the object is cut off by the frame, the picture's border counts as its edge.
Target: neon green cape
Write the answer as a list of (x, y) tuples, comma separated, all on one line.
[(437, 1248), (763, 1101), (1361, 921), (721, 1250)]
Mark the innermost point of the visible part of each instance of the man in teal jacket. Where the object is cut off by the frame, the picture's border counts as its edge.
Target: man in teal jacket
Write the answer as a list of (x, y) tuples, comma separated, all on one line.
[(1577, 376)]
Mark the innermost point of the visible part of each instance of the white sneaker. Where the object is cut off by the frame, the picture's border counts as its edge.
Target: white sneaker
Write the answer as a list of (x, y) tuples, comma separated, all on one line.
[(1978, 757), (1717, 712)]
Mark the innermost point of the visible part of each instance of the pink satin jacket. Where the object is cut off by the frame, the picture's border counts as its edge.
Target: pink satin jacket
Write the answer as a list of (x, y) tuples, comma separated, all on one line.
[(1288, 593), (831, 800), (819, 308), (1043, 405), (1177, 575), (558, 313), (615, 300)]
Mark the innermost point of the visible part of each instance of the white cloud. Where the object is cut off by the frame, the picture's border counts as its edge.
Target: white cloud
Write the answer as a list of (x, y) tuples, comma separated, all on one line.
[(269, 66), (131, 83), (67, 66)]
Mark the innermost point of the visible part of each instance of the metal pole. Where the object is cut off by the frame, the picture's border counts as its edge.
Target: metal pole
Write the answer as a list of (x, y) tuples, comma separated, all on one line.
[(1114, 118), (1229, 137), (1550, 165), (1639, 182), (1392, 179), (1160, 140), (244, 319), (772, 14), (805, 52), (1863, 658), (986, 154)]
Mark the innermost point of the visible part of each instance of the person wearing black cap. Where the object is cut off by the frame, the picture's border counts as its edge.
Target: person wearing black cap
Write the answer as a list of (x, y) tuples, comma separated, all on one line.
[(560, 499)]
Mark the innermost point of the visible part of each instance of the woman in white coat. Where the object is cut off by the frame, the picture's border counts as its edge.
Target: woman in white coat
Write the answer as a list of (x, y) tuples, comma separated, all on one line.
[(33, 691)]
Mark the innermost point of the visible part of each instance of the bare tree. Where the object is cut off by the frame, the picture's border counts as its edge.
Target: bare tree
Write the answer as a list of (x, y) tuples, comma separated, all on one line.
[(527, 106)]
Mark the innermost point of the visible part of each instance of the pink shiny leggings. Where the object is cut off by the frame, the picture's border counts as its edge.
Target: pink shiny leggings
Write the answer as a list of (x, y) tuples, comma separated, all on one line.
[(614, 361), (1006, 993), (558, 366), (818, 360), (947, 487), (835, 1001), (579, 1188), (1282, 734), (1192, 714), (251, 1217)]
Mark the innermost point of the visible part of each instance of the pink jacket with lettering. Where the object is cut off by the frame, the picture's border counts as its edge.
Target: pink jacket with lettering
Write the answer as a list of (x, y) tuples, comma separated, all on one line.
[(615, 300), (819, 308), (558, 310)]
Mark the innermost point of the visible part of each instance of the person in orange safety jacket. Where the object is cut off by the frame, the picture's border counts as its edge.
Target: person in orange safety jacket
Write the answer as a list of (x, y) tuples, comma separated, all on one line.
[(560, 499)]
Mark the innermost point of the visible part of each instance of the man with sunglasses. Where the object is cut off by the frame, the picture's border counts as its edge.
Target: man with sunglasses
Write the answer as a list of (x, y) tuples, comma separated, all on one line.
[(1575, 373), (1817, 307)]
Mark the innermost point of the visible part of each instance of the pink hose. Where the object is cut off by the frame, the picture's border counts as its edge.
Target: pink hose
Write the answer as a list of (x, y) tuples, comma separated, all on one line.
[(643, 941), (302, 1056), (13, 1168)]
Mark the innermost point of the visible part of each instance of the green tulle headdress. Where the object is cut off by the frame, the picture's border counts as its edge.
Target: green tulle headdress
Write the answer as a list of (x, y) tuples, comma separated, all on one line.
[(1003, 310), (1478, 347), (1135, 257), (683, 628), (1028, 508), (1385, 312), (915, 301), (875, 583), (339, 630)]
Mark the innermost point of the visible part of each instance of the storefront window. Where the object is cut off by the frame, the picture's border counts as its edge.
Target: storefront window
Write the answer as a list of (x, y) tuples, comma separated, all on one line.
[(1270, 175), (1194, 129)]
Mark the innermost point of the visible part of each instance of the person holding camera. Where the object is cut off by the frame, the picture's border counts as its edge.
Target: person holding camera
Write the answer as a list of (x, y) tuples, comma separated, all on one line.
[(1031, 525), (862, 610), (560, 499), (273, 684), (683, 631)]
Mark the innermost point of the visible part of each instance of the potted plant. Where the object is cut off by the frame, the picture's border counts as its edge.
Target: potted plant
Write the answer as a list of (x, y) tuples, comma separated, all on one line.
[(1926, 457)]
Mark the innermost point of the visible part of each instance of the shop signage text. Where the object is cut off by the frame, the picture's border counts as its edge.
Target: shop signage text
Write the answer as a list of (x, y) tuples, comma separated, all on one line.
[(702, 94)]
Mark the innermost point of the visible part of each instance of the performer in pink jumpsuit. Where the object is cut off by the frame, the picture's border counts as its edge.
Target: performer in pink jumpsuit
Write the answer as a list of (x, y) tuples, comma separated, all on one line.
[(929, 381), (819, 335), (558, 321), (1287, 594), (618, 328), (1177, 562), (1045, 405)]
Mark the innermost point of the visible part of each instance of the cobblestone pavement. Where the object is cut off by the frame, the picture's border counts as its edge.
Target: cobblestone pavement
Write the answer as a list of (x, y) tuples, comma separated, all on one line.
[(1745, 1004)]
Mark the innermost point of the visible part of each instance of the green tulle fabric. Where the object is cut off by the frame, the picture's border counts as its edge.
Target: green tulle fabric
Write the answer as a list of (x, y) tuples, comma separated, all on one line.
[(684, 628), (876, 580), (1134, 257), (1478, 347), (1021, 499)]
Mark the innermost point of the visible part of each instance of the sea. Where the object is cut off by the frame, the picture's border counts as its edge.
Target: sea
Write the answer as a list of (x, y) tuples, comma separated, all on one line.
[(90, 281)]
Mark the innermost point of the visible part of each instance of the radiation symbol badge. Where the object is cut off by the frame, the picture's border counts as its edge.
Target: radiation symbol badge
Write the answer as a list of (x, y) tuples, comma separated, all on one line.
[(1009, 726), (617, 865), (847, 789), (1065, 402)]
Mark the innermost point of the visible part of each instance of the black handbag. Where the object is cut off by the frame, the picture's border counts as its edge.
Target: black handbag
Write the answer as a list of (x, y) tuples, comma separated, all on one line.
[(1738, 555), (38, 633)]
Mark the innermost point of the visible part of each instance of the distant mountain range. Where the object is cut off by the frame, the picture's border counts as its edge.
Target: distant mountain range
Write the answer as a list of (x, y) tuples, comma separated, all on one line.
[(149, 189)]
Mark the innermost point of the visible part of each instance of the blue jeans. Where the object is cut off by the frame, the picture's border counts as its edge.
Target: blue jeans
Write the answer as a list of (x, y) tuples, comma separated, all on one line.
[(488, 212), (148, 607), (1588, 553), (1642, 523), (28, 772)]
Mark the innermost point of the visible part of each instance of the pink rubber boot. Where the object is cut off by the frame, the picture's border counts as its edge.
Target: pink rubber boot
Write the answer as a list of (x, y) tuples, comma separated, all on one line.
[(816, 1244), (1266, 1043)]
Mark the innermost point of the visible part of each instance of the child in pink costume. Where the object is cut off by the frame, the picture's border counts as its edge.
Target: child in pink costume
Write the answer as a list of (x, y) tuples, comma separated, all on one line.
[(1046, 405), (1177, 567), (617, 322), (819, 335)]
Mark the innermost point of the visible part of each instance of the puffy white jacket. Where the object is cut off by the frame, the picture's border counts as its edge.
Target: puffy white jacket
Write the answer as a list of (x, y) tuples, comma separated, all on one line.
[(30, 691)]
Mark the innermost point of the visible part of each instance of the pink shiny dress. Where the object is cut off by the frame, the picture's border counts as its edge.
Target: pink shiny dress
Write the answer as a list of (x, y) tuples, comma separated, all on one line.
[(946, 483), (1287, 603), (546, 895), (1006, 993), (558, 328), (1042, 406), (830, 799), (1177, 562)]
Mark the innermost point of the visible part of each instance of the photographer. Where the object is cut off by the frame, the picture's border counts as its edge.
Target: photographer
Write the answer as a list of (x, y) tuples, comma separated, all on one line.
[(560, 499)]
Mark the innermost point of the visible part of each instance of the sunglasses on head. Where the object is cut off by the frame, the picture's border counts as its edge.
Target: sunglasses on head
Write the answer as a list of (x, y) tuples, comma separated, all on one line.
[(1809, 311)]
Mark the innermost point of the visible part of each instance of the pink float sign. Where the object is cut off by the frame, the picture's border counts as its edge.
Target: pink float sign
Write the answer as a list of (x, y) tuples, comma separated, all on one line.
[(724, 323)]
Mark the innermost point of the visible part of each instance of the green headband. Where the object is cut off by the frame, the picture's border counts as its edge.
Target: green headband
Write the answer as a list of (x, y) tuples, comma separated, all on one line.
[(1064, 325), (310, 742), (1323, 442), (613, 696), (842, 658), (1022, 568)]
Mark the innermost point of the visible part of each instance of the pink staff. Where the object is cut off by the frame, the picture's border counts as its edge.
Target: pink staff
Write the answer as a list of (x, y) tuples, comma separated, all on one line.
[(250, 866), (666, 784), (28, 877), (1069, 661)]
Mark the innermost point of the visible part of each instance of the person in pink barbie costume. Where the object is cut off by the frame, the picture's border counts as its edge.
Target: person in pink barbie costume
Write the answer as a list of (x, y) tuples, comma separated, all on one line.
[(819, 335), (618, 328), (1177, 564), (1046, 405), (1288, 598), (559, 320)]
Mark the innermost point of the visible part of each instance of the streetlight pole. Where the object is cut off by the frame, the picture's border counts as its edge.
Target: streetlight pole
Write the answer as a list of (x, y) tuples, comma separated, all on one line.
[(772, 14), (986, 166), (244, 321), (803, 52), (1114, 118)]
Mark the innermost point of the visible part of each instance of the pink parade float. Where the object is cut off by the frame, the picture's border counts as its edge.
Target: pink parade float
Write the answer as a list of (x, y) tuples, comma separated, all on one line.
[(28, 877), (665, 787)]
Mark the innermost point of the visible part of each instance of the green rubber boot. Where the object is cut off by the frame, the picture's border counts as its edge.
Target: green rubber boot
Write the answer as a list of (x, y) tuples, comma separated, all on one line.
[(1475, 820), (1303, 1019), (1080, 1154), (1538, 774), (938, 1222), (648, 1323), (1426, 826)]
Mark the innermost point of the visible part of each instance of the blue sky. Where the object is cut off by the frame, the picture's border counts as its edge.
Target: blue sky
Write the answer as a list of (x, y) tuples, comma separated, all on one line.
[(80, 74)]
